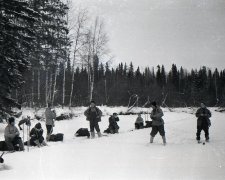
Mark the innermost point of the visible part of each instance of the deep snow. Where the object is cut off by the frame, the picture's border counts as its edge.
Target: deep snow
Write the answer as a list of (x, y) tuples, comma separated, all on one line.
[(127, 155)]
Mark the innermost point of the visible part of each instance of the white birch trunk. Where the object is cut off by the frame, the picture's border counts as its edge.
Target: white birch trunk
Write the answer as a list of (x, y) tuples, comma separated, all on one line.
[(54, 85)]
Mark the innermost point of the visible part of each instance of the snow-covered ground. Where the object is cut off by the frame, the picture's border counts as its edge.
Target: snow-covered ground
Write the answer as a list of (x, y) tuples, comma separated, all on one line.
[(124, 156)]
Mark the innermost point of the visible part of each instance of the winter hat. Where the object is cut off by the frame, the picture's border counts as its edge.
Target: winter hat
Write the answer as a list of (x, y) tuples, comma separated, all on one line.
[(153, 103), (38, 126), (115, 114), (11, 120)]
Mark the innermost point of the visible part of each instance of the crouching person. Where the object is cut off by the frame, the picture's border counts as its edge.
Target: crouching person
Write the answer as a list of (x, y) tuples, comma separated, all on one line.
[(139, 123), (157, 123), (113, 126), (12, 138), (36, 135), (93, 115)]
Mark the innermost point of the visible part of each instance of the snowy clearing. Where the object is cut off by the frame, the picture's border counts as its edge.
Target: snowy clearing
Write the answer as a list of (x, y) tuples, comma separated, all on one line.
[(125, 156)]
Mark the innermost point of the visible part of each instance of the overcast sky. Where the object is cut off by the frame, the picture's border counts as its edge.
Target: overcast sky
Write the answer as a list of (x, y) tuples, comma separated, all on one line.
[(190, 33)]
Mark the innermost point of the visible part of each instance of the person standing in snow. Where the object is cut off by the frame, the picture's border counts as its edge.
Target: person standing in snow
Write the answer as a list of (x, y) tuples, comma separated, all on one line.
[(12, 137), (36, 135), (93, 115), (203, 122), (50, 117), (113, 126), (157, 122), (139, 123)]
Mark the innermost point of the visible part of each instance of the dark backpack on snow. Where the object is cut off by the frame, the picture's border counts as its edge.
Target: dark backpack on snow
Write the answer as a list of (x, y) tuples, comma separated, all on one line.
[(56, 137), (82, 132)]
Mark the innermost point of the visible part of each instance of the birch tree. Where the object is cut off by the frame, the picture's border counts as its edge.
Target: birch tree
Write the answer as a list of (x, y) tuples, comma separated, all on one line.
[(96, 41), (78, 36)]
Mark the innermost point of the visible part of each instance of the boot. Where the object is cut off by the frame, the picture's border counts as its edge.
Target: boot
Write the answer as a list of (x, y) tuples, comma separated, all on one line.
[(44, 143), (48, 137), (21, 146), (151, 139), (164, 140), (99, 134), (92, 135), (37, 143)]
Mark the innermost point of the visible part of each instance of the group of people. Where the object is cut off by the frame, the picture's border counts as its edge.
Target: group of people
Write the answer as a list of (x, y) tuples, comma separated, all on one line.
[(12, 135), (93, 114)]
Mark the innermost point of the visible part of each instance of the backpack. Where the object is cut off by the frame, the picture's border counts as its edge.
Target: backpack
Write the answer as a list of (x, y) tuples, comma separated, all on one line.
[(82, 132), (56, 137)]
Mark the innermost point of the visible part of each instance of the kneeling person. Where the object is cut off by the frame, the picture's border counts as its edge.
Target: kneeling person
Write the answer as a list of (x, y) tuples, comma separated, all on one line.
[(139, 123), (12, 138), (113, 126), (36, 135)]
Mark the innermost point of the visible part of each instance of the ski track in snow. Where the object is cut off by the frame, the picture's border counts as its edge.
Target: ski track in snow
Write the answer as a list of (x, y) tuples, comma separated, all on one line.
[(127, 155)]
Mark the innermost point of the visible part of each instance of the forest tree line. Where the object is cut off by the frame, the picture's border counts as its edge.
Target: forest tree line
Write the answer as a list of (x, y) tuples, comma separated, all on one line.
[(116, 86)]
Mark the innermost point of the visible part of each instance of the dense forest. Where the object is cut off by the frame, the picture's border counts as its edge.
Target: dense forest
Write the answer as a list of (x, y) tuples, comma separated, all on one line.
[(116, 86), (47, 57)]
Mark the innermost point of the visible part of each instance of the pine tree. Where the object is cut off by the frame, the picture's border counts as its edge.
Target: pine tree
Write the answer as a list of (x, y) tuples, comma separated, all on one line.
[(16, 44)]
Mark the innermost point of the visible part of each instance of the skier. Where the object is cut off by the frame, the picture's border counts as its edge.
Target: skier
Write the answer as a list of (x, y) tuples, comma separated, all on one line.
[(93, 115), (113, 126), (50, 116), (157, 122), (139, 123), (203, 122), (12, 138), (36, 135)]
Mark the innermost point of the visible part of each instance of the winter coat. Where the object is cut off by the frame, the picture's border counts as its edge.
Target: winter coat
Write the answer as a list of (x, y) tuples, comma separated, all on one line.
[(139, 120), (156, 116), (113, 122), (203, 115), (11, 132), (93, 115), (50, 116), (36, 133)]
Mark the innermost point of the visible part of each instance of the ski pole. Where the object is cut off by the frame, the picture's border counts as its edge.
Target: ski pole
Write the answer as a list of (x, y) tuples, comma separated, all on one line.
[(23, 136), (2, 154), (1, 159), (28, 139)]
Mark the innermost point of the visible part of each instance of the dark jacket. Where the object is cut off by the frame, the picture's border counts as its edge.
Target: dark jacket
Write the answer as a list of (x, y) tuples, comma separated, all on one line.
[(93, 115), (113, 122), (203, 115), (156, 116), (36, 133)]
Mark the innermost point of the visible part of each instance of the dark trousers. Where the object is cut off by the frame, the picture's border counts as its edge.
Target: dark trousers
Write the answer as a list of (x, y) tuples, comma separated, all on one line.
[(205, 128), (94, 125), (13, 145), (49, 129), (33, 139), (139, 125), (156, 129)]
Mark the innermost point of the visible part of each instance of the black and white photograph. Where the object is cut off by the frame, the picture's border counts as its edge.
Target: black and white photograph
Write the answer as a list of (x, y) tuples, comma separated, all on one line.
[(112, 89)]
